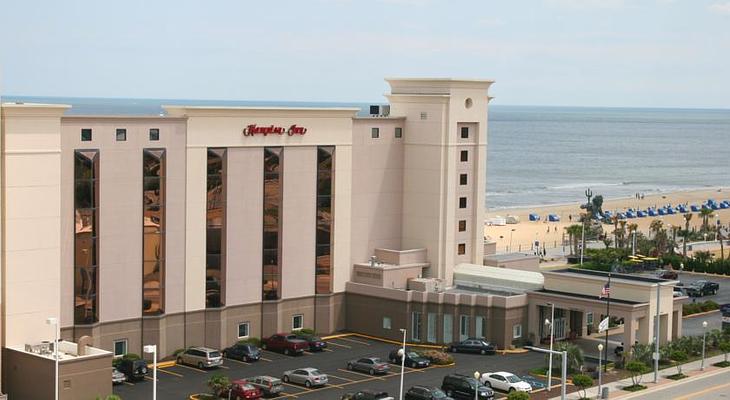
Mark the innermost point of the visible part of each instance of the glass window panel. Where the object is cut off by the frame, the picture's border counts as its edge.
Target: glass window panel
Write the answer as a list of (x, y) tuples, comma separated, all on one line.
[(85, 252), (84, 194), (121, 135), (85, 303), (271, 221), (84, 164), (85, 135), (154, 134), (323, 235), (85, 221), (153, 219), (271, 239), (153, 248), (152, 192), (324, 183)]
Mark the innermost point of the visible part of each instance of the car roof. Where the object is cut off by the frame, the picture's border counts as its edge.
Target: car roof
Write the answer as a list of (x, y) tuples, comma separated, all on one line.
[(501, 373), (205, 349)]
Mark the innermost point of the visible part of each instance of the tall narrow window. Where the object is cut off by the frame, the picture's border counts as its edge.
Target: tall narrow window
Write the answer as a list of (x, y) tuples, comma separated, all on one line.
[(153, 230), (325, 219), (448, 328), (271, 264), (86, 213), (215, 229)]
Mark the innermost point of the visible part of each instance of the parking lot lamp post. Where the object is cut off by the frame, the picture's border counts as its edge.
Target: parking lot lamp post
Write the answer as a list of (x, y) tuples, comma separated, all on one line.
[(564, 369), (600, 358), (54, 323), (550, 357), (704, 341), (509, 249), (402, 354), (152, 348), (477, 375)]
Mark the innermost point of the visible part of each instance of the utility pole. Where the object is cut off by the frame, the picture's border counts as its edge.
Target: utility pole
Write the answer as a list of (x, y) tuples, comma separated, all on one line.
[(588, 194)]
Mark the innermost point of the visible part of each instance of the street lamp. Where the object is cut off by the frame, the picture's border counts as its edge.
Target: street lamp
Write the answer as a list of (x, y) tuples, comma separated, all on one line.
[(704, 341), (600, 357), (509, 249), (477, 375), (152, 348), (54, 323), (550, 357), (402, 354)]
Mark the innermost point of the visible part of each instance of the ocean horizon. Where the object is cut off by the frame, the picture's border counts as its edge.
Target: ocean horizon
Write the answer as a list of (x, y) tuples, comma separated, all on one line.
[(548, 155)]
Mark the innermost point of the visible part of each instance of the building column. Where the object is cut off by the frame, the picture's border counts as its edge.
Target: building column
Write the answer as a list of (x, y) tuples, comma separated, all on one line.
[(630, 325), (677, 324), (645, 330)]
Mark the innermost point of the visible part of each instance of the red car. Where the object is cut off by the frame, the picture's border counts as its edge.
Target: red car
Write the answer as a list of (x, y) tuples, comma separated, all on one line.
[(240, 389), (285, 343)]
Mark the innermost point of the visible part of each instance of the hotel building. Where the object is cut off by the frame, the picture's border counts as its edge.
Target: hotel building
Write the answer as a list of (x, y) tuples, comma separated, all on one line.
[(208, 224)]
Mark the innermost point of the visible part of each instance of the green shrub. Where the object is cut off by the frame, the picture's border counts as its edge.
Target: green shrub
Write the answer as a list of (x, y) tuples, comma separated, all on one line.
[(678, 357), (219, 384), (109, 397), (178, 351), (304, 331), (725, 348), (437, 357), (636, 368), (695, 308), (582, 382), (252, 340), (518, 396)]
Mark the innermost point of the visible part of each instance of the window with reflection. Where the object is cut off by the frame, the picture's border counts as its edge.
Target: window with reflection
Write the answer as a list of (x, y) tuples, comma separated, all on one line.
[(215, 229), (271, 260), (153, 231), (323, 267), (86, 216)]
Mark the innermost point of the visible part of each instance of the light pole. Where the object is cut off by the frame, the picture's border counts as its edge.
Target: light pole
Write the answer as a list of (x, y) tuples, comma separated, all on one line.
[(152, 348), (600, 358), (704, 341), (552, 331), (564, 368), (509, 249), (54, 323), (477, 375), (402, 353)]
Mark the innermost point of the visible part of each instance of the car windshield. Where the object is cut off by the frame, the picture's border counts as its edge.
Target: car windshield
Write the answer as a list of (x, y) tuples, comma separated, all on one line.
[(513, 379), (315, 372), (214, 354), (376, 360), (413, 354), (438, 394)]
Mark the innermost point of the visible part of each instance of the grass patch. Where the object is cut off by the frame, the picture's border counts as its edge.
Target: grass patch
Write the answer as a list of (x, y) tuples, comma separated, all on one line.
[(722, 364), (633, 388), (676, 377)]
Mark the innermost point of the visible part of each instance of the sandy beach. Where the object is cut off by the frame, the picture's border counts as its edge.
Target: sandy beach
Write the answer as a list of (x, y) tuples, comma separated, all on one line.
[(526, 232)]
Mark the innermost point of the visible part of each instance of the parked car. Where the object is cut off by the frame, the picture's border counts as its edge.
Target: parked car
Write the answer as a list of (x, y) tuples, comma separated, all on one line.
[(285, 343), (426, 393), (667, 274), (135, 370), (536, 383), (463, 387), (505, 382), (366, 395), (242, 351), (413, 359), (725, 308), (315, 342), (270, 386), (472, 345), (702, 288), (118, 377), (201, 357), (305, 376), (370, 365), (241, 389)]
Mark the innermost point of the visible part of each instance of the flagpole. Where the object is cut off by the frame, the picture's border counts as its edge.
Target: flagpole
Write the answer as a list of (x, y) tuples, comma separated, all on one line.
[(608, 315)]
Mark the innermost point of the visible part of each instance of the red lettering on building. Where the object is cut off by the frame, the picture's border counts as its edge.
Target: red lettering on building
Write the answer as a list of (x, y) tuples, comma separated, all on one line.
[(254, 129)]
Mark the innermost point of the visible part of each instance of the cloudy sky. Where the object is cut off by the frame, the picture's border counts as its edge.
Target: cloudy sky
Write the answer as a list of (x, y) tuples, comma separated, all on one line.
[(631, 53)]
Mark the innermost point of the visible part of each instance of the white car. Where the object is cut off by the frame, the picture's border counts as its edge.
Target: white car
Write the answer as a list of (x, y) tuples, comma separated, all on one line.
[(305, 376), (505, 382)]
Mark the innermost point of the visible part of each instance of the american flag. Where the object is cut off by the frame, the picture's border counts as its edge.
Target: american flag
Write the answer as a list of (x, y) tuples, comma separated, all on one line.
[(605, 291)]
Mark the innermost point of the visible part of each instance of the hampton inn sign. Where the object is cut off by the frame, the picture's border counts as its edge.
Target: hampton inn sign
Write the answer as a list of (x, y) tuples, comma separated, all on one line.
[(254, 129)]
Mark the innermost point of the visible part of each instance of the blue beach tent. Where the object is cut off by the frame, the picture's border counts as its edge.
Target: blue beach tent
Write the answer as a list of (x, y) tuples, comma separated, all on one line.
[(694, 208), (682, 208), (630, 214), (662, 211), (724, 205), (534, 217), (652, 212), (670, 210), (553, 218), (641, 214)]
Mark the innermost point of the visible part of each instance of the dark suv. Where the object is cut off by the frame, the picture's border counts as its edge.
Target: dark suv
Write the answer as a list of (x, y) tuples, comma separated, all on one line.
[(243, 351), (134, 369), (463, 387), (315, 343), (426, 393)]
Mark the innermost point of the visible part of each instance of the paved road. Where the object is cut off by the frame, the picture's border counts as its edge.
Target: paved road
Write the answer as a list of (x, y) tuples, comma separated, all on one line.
[(180, 381), (705, 388), (722, 296)]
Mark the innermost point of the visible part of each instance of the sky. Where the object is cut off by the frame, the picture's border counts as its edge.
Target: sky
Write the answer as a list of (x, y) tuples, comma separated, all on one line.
[(630, 53)]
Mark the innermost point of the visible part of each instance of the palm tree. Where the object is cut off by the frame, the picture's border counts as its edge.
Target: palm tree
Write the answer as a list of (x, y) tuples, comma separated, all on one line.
[(632, 227), (706, 213), (687, 218), (615, 230), (574, 232), (719, 238)]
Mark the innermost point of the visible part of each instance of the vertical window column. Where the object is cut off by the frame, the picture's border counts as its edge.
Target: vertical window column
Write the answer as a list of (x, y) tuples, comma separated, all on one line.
[(325, 220), (215, 229), (86, 247), (271, 262), (153, 231)]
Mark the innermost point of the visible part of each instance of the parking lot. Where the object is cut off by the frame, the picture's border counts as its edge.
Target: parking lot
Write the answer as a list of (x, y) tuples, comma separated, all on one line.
[(178, 382)]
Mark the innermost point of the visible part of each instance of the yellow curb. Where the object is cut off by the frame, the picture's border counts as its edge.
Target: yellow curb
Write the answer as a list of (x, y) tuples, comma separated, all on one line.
[(425, 346), (341, 335), (164, 364), (515, 351), (698, 314)]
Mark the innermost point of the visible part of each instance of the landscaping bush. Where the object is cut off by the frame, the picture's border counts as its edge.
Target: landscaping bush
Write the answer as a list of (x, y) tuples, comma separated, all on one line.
[(518, 396), (582, 382), (128, 356), (636, 368), (437, 357), (678, 357), (575, 357), (252, 340), (695, 308), (304, 331), (725, 348), (177, 352), (219, 384)]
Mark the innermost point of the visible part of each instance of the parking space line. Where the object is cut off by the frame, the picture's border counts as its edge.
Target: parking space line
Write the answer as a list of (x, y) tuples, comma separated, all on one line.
[(150, 379), (191, 368), (296, 386), (368, 379), (308, 353), (340, 345), (409, 369), (361, 374), (236, 361), (284, 394), (164, 371), (265, 359), (224, 367), (340, 378), (327, 350), (354, 341), (128, 383)]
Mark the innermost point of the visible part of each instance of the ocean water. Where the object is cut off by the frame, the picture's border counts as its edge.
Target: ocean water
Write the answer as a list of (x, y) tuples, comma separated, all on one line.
[(549, 155)]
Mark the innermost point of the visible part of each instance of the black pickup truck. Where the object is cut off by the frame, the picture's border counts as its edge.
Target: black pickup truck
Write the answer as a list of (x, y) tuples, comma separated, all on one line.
[(702, 288)]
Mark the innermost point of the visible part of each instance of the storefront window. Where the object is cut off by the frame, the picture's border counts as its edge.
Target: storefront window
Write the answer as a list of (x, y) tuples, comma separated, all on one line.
[(215, 229), (153, 228), (325, 219), (86, 215), (271, 261)]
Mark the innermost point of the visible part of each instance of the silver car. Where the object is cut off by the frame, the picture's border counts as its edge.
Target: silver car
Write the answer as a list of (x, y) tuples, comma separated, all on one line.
[(305, 376), (118, 377), (201, 357)]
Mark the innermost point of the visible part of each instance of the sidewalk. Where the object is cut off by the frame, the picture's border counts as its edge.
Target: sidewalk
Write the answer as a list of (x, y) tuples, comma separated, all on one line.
[(691, 369)]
